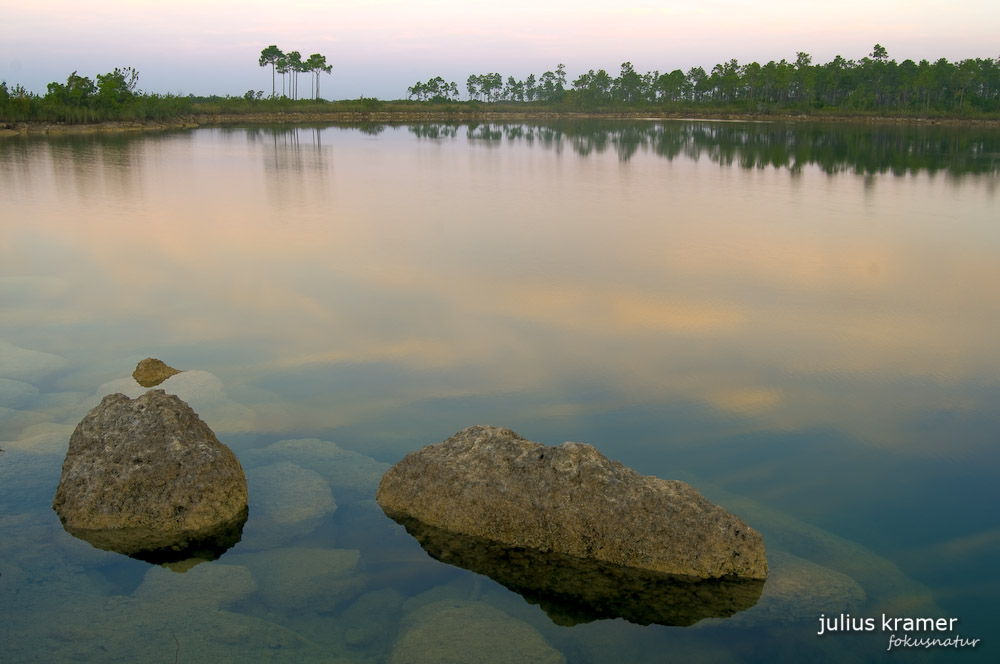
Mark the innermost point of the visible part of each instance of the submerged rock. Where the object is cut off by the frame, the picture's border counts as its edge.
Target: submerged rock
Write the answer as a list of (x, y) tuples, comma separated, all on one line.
[(287, 501), (460, 632), (148, 478), (169, 617), (42, 438), (150, 372), (800, 590), (16, 393), (27, 365), (490, 482), (209, 587), (351, 475), (302, 578)]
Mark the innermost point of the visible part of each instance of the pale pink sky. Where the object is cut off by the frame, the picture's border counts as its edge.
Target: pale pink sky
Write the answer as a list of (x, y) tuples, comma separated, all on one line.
[(379, 47)]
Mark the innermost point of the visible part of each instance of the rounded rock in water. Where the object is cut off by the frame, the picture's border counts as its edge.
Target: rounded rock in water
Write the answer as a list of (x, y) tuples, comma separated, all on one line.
[(148, 478)]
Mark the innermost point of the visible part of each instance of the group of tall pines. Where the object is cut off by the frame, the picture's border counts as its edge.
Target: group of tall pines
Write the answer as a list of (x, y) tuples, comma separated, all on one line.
[(873, 85)]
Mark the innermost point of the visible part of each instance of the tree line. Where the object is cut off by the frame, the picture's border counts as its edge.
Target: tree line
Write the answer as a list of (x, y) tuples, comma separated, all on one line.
[(550, 87), (114, 97), (80, 99), (872, 84), (292, 63)]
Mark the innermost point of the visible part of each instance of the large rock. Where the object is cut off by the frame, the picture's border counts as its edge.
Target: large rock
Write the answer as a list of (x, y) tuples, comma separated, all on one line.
[(147, 475), (490, 482)]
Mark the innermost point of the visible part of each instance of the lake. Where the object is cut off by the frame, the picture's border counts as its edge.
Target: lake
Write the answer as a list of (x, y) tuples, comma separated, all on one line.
[(800, 320)]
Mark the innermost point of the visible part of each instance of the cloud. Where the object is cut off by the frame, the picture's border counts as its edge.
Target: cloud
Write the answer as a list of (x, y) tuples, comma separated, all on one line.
[(202, 391)]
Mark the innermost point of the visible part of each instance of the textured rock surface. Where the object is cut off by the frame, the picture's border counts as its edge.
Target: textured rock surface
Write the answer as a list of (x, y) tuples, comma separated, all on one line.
[(490, 482), (468, 632), (151, 372), (147, 474)]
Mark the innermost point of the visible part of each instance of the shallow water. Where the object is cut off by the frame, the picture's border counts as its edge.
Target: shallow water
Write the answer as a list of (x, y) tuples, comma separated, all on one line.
[(797, 319)]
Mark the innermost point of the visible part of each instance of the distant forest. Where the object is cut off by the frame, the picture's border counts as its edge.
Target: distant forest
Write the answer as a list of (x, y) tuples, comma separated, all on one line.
[(872, 86)]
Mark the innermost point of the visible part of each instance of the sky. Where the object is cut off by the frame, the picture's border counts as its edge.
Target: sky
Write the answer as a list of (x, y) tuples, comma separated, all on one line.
[(378, 48)]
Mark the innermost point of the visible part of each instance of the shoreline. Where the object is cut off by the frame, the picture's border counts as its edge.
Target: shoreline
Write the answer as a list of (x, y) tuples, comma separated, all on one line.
[(459, 117)]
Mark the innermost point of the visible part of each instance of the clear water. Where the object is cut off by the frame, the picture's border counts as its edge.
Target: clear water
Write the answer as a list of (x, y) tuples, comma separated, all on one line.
[(800, 320)]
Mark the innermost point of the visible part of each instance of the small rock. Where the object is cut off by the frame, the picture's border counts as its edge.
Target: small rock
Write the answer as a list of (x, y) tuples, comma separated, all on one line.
[(490, 482), (151, 372), (147, 475)]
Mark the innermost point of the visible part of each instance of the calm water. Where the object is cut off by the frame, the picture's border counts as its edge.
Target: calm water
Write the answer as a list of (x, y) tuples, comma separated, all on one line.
[(800, 320)]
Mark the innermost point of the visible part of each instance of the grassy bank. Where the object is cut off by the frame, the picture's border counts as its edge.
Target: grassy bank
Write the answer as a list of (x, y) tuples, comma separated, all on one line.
[(377, 112)]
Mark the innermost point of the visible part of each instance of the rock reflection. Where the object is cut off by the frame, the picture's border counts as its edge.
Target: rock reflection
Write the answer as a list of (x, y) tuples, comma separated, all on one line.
[(199, 547), (573, 590)]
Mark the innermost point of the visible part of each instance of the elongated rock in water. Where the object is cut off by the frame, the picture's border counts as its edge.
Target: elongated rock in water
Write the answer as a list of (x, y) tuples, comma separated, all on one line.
[(490, 482)]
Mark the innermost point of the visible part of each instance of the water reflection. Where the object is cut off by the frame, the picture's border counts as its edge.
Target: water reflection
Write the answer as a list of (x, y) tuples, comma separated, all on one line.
[(899, 149), (433, 130), (207, 544), (573, 590), (726, 300), (297, 149), (585, 283)]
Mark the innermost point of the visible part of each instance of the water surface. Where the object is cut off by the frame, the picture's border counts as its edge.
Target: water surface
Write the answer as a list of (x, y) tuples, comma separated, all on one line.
[(800, 320)]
